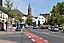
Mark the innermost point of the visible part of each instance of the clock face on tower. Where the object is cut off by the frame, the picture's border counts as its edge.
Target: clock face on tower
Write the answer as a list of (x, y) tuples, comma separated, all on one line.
[(0, 2)]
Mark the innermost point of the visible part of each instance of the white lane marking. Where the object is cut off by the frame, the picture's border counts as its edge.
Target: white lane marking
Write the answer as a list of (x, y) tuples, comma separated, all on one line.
[(46, 40), (24, 33), (34, 35), (37, 36), (40, 38), (32, 39), (29, 36)]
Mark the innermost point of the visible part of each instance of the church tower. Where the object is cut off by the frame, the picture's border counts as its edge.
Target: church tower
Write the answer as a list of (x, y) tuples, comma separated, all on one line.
[(29, 10)]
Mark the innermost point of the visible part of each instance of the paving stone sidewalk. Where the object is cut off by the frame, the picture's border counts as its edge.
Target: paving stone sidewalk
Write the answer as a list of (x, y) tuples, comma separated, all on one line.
[(6, 41), (10, 32)]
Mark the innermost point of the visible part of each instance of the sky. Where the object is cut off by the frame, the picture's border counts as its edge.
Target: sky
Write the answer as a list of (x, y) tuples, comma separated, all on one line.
[(38, 6)]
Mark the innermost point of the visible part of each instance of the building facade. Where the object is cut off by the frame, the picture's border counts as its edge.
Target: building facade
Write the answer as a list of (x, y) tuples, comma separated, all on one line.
[(0, 2), (46, 16), (3, 20), (38, 20), (41, 20)]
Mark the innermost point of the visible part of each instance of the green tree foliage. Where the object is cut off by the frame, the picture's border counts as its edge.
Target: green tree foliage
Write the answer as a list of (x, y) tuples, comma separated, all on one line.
[(29, 20), (18, 17), (14, 13), (8, 5), (57, 14)]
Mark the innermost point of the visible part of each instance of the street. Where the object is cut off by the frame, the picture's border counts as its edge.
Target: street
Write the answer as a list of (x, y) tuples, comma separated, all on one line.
[(14, 37), (51, 37), (22, 37)]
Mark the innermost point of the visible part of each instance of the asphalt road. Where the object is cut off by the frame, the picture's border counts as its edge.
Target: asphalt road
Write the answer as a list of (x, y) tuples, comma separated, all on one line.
[(16, 37), (51, 37), (11, 37)]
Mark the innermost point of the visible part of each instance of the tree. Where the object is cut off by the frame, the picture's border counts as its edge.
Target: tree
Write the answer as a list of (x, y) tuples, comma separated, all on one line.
[(8, 5), (18, 17), (57, 14), (29, 20)]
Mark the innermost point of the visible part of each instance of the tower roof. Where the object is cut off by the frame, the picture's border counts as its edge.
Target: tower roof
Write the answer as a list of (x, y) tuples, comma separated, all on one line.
[(29, 6)]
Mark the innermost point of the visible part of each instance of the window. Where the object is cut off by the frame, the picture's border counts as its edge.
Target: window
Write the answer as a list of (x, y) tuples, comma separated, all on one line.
[(3, 16)]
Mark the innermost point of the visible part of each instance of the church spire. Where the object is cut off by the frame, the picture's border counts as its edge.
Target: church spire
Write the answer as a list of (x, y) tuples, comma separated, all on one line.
[(29, 10), (29, 6)]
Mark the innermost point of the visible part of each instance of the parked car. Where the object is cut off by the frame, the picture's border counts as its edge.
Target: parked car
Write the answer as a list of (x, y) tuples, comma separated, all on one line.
[(14, 27), (49, 28), (53, 28), (36, 27), (43, 27), (60, 28), (18, 29), (26, 26)]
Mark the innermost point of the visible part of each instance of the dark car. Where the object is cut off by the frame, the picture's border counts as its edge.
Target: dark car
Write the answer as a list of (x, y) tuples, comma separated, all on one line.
[(18, 29), (53, 28), (43, 27), (36, 27)]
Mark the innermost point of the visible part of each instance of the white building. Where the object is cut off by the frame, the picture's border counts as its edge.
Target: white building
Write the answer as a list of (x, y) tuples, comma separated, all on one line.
[(38, 20), (41, 19), (3, 20), (24, 18)]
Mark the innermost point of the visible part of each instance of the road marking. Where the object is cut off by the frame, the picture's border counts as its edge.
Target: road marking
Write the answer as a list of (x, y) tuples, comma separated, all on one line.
[(36, 38), (32, 39), (29, 36), (40, 38), (46, 40)]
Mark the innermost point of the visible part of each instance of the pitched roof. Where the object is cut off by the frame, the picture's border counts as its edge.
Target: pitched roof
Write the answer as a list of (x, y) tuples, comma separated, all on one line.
[(3, 10), (25, 15)]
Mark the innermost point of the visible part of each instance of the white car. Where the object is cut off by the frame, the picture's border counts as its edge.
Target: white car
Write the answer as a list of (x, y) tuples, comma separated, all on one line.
[(14, 27), (55, 29), (49, 28), (26, 26)]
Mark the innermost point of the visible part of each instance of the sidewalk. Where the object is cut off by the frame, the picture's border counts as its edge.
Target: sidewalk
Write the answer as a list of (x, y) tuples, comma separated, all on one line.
[(9, 32), (6, 41)]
